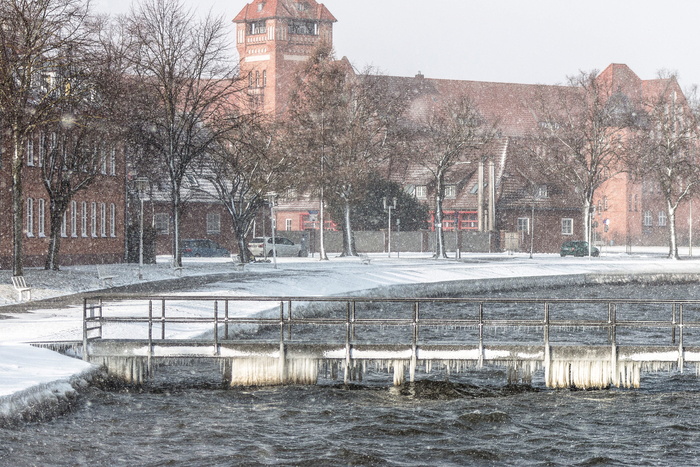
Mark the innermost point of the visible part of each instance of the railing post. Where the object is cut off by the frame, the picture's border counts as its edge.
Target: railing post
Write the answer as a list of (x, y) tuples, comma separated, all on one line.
[(681, 352), (149, 362), (216, 328), (547, 348), (289, 314), (85, 339), (612, 321), (674, 323), (226, 319), (349, 317), (414, 346), (481, 334), (283, 357), (162, 319)]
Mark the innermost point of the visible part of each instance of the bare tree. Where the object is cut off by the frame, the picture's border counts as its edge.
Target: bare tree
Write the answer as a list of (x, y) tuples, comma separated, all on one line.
[(582, 136), (667, 152), (347, 118), (243, 169), (451, 133), (185, 66), (36, 37)]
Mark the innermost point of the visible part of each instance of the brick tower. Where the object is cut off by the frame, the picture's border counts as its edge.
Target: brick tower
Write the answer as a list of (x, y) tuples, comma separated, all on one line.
[(273, 37)]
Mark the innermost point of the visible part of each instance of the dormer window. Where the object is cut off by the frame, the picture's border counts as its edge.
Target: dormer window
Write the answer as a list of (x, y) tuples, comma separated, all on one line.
[(257, 27), (261, 5), (301, 6)]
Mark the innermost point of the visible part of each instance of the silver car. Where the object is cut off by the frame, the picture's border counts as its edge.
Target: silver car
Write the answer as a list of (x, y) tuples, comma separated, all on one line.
[(262, 246)]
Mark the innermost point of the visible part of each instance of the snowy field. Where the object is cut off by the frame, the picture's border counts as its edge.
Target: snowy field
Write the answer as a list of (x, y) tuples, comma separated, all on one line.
[(31, 376)]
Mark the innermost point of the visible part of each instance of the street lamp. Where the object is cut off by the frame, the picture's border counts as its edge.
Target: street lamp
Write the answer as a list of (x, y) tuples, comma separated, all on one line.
[(388, 207), (271, 196), (141, 189)]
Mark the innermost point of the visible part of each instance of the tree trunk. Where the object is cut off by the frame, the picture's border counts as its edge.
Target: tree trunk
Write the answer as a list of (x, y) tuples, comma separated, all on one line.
[(17, 204), (440, 251), (52, 262), (177, 254), (672, 240), (348, 237), (322, 220)]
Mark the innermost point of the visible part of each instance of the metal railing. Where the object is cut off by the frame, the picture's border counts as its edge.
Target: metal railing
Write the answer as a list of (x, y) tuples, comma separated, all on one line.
[(411, 320)]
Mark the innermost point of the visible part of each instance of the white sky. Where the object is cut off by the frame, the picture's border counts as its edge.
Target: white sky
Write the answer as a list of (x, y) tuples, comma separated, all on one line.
[(520, 41)]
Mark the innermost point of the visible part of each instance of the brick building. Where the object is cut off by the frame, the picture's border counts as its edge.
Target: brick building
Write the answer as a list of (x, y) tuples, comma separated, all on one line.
[(503, 196)]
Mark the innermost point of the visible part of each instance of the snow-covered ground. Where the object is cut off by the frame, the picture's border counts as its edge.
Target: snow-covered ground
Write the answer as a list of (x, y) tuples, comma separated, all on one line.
[(31, 376)]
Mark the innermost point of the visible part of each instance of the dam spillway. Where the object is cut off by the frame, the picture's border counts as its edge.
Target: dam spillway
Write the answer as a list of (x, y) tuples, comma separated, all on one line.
[(582, 343)]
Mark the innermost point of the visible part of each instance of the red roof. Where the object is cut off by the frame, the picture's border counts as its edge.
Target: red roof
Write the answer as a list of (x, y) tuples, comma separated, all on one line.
[(265, 9)]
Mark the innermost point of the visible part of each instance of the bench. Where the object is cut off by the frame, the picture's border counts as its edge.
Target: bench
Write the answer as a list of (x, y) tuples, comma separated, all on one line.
[(107, 280), (364, 258), (21, 287)]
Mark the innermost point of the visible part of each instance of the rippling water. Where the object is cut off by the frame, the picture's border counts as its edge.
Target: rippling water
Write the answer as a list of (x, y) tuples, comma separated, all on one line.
[(470, 419)]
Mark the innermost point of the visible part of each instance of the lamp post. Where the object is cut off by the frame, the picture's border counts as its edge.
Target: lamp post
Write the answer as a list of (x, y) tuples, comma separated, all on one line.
[(141, 188), (690, 229), (389, 207), (273, 225)]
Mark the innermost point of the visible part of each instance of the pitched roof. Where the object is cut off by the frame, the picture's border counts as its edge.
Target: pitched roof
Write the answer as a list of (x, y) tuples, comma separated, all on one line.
[(265, 9)]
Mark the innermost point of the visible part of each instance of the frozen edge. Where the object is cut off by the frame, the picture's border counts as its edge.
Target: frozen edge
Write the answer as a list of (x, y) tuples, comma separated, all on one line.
[(45, 400)]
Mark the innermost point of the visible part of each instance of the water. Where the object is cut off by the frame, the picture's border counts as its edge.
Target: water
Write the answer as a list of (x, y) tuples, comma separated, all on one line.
[(468, 419)]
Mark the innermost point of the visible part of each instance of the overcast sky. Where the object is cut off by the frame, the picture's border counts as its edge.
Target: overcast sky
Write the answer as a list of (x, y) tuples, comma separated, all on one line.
[(516, 41)]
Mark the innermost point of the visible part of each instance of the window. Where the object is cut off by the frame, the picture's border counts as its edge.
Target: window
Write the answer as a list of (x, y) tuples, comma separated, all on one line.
[(636, 204), (41, 226), (257, 27), (83, 220), (662, 218), (30, 217), (112, 220), (73, 219), (450, 191), (64, 226), (30, 152), (103, 162), (161, 222), (93, 219), (250, 79), (567, 226), (421, 191), (213, 223), (287, 225), (647, 218), (305, 28), (103, 220), (257, 79), (605, 203), (264, 81), (42, 149), (475, 188), (524, 224), (113, 162), (541, 191)]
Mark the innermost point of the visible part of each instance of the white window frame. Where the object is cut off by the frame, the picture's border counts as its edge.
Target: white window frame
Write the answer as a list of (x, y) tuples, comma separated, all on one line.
[(73, 219), (524, 225), (41, 220), (30, 151), (421, 191), (161, 222), (113, 162), (288, 225), (84, 219), (93, 219), (64, 225), (567, 226), (663, 218), (103, 220), (450, 191), (42, 149), (30, 217), (112, 220), (213, 223), (647, 219)]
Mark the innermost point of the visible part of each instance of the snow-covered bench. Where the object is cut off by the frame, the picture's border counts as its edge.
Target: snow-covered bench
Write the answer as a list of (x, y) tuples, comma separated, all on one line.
[(21, 287), (107, 279), (364, 258)]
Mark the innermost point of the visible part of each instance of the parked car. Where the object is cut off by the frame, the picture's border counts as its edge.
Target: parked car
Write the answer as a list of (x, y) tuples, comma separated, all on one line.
[(262, 246), (578, 248), (203, 248)]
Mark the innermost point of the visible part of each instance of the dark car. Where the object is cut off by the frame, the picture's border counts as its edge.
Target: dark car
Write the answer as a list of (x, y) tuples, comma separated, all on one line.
[(203, 248), (578, 248)]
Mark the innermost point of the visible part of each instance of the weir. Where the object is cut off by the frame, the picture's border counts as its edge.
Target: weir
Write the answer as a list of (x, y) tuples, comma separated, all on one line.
[(591, 343)]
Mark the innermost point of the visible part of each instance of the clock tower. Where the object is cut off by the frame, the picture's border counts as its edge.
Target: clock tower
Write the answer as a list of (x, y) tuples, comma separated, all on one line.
[(273, 37)]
